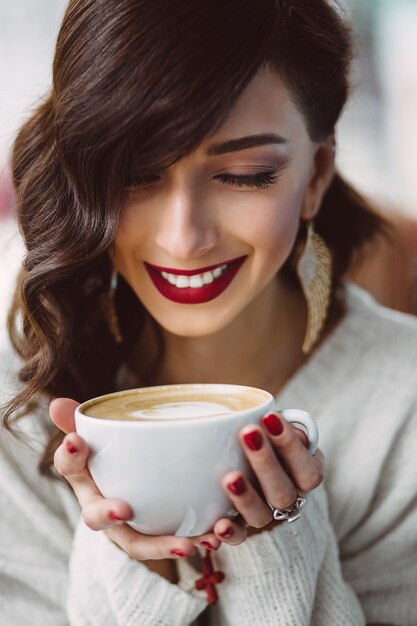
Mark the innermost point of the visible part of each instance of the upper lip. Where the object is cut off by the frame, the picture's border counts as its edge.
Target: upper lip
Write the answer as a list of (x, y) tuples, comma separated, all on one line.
[(200, 270)]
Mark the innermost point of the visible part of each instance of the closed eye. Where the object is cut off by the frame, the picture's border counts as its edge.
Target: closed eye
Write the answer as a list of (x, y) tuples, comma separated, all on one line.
[(260, 180)]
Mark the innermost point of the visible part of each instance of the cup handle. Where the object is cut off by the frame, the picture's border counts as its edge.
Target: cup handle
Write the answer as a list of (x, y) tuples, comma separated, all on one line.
[(303, 420)]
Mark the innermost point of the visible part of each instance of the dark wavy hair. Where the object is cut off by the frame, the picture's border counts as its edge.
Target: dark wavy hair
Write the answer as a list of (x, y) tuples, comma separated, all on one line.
[(137, 85)]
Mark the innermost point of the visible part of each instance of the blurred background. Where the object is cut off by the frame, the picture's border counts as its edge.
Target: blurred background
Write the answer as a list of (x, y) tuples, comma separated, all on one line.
[(377, 136)]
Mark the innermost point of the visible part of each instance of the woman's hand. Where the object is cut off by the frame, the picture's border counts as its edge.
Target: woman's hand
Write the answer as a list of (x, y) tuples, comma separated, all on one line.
[(110, 515), (283, 467), (280, 486)]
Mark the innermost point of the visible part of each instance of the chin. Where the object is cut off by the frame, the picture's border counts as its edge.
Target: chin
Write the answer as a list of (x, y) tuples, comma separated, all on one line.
[(194, 325)]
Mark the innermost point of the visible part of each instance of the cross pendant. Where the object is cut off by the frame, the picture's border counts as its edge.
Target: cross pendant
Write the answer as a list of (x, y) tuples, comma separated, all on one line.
[(209, 578)]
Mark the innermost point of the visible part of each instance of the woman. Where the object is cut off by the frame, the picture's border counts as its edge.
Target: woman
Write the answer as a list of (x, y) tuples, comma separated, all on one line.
[(178, 144)]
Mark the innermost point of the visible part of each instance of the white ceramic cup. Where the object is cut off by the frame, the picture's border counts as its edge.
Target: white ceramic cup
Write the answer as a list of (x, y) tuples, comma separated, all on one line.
[(170, 470)]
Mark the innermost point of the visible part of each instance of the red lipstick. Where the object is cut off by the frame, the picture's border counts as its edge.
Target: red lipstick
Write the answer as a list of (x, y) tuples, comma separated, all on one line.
[(200, 270), (194, 295)]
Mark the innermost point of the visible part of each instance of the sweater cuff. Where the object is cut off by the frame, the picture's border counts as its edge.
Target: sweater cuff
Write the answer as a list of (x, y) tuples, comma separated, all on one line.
[(130, 593), (285, 543), (275, 571)]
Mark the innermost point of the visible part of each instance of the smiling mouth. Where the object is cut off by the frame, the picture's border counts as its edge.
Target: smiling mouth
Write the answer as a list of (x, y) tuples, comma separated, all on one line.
[(194, 279), (194, 286)]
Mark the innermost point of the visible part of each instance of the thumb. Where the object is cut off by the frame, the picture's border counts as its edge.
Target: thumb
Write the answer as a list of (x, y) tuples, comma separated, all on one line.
[(61, 411)]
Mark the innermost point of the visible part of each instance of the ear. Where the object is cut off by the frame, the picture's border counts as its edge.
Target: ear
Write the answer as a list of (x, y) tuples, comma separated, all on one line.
[(322, 171)]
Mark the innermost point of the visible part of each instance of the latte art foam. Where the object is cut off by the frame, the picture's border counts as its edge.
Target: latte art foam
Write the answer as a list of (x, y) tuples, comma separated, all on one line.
[(166, 405), (167, 410)]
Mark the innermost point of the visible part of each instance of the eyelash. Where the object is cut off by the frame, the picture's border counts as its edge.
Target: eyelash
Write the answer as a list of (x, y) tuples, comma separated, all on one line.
[(260, 180)]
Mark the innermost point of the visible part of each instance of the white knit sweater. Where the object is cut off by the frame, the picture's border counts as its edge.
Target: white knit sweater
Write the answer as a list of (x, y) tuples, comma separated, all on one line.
[(351, 559)]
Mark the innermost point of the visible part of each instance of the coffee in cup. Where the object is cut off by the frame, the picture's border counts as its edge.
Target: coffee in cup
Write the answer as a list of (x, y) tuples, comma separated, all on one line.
[(172, 404), (165, 450)]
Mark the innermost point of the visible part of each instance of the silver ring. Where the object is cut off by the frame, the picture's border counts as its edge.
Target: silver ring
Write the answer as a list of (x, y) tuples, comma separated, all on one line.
[(291, 513)]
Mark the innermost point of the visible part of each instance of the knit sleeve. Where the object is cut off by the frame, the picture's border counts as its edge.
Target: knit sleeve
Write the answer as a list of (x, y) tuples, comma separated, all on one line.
[(54, 571), (379, 557), (298, 575), (289, 576), (109, 588), (35, 537)]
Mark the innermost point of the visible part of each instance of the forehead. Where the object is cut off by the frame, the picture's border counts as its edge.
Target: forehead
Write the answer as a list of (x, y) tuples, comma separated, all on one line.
[(264, 106)]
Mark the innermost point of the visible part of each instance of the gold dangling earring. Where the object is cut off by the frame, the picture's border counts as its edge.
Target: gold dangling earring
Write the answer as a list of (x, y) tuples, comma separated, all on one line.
[(109, 309), (314, 269)]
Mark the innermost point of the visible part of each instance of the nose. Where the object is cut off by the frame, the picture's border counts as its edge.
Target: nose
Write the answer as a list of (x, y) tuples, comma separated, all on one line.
[(185, 230)]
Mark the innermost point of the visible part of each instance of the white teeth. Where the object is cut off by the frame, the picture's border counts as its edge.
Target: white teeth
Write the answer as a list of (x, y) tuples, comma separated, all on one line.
[(182, 281), (207, 278), (195, 281), (169, 277)]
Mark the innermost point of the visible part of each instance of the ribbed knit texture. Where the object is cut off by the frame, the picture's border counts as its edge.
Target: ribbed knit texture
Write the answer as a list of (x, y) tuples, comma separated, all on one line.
[(351, 559)]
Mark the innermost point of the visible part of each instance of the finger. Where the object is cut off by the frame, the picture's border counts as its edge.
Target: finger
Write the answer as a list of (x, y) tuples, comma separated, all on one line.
[(275, 483), (254, 510), (61, 411), (230, 532), (208, 541), (146, 547), (71, 456), (70, 460), (305, 470), (320, 456), (102, 513), (302, 436)]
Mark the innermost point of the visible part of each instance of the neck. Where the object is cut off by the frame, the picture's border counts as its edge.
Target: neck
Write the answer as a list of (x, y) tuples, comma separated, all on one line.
[(260, 348)]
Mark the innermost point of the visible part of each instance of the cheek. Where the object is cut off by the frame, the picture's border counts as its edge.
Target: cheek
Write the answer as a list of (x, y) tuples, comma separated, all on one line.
[(122, 244), (129, 235), (272, 226)]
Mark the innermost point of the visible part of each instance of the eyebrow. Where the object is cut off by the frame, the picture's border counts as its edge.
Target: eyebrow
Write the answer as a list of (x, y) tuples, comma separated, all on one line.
[(250, 141)]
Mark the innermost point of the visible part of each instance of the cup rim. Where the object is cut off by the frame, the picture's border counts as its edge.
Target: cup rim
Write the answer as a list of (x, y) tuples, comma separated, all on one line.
[(160, 422)]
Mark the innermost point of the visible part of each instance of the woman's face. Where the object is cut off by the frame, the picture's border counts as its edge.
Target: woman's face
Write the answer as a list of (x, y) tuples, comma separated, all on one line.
[(235, 202)]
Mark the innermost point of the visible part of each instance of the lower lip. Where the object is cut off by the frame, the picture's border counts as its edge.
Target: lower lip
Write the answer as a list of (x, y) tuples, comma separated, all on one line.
[(195, 295)]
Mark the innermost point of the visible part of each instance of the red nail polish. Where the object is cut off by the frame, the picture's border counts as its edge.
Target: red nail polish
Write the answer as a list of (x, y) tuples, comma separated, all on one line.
[(273, 424), (178, 553), (115, 517), (253, 440), (238, 486), (227, 533), (53, 400), (207, 545), (71, 449)]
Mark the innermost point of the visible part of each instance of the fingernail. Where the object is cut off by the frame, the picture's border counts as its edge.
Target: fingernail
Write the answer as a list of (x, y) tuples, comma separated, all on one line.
[(253, 440), (71, 448), (115, 517), (238, 486), (51, 402), (207, 545), (227, 533), (178, 553), (273, 424)]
